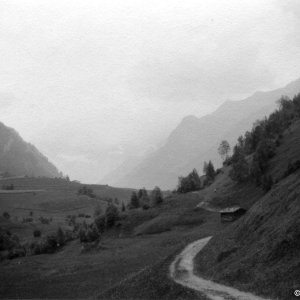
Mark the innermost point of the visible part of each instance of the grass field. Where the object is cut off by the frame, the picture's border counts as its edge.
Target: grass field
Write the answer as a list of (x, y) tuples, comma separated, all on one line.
[(124, 254)]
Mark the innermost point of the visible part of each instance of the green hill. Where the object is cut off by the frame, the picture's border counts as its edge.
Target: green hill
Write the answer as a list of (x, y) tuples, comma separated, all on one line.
[(19, 158), (260, 252)]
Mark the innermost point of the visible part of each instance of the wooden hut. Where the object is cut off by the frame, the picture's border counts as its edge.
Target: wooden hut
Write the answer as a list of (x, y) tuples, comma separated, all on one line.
[(231, 214)]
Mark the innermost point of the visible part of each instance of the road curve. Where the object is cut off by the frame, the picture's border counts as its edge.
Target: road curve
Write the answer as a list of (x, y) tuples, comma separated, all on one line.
[(182, 272)]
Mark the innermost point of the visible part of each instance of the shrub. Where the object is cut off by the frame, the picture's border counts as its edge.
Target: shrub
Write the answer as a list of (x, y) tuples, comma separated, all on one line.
[(240, 167), (37, 233), (16, 252), (92, 234), (49, 245), (111, 215), (100, 223), (86, 191), (82, 235), (60, 237), (44, 220), (156, 196), (145, 206), (189, 183), (72, 220), (6, 215), (27, 220), (8, 187), (8, 241), (134, 201)]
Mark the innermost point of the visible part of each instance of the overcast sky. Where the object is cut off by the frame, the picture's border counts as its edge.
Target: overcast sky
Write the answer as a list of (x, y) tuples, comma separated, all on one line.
[(92, 82)]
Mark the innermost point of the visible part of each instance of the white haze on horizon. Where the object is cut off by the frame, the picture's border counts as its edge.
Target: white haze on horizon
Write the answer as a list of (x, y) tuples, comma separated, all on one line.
[(93, 83)]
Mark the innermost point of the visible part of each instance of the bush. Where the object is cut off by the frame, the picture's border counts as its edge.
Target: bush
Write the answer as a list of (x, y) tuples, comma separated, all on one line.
[(37, 233), (60, 237), (134, 201), (85, 191), (92, 234), (240, 167), (145, 206), (16, 252), (27, 220), (156, 196), (50, 244), (9, 187), (189, 183), (44, 220), (111, 215), (100, 223), (8, 241), (6, 215), (82, 235)]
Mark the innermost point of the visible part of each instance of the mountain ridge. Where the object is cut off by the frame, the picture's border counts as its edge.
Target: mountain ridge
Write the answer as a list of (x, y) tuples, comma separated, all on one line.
[(20, 158), (193, 141)]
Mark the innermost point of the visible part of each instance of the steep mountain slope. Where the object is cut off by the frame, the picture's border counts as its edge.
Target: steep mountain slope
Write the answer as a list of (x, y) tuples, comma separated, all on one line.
[(20, 158), (196, 140), (260, 252)]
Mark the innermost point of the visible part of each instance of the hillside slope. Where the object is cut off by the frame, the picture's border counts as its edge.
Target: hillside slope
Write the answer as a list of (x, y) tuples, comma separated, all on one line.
[(20, 158), (196, 139), (260, 252)]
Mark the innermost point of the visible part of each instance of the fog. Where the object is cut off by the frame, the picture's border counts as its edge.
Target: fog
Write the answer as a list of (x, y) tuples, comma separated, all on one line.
[(91, 83)]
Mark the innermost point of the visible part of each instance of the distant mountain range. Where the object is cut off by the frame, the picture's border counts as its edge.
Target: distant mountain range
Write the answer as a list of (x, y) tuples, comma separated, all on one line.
[(19, 158), (196, 140)]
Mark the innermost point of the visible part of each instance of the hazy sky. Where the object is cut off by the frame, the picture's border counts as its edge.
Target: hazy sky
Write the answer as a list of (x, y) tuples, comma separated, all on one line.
[(93, 82)]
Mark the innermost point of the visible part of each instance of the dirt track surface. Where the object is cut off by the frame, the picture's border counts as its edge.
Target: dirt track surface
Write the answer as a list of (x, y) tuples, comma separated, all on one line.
[(182, 272)]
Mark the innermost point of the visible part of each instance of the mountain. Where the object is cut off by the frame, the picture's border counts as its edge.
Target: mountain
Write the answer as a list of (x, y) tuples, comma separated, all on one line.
[(259, 252), (20, 158), (196, 140)]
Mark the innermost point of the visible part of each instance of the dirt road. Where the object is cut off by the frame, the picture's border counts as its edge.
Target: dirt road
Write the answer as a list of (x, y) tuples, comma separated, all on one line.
[(182, 272)]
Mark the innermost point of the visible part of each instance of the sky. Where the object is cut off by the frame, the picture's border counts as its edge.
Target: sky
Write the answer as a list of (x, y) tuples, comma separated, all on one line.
[(94, 83)]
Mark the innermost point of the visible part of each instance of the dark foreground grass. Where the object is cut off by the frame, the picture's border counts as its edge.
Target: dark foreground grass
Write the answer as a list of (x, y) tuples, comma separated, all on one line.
[(152, 283)]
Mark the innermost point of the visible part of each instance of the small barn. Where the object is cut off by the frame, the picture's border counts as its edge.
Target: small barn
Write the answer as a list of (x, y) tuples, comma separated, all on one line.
[(231, 214)]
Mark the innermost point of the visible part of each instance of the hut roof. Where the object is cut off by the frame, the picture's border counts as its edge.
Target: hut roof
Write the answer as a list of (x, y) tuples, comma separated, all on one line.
[(230, 209)]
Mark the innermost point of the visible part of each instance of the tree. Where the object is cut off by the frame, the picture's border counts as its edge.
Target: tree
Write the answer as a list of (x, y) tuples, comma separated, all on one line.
[(140, 193), (134, 201), (205, 167), (144, 200), (111, 215), (224, 150), (123, 207), (92, 234), (240, 167), (189, 183), (210, 171), (156, 196)]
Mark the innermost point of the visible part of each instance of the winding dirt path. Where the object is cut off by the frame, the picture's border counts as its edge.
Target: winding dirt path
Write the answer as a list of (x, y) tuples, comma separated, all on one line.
[(182, 272)]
